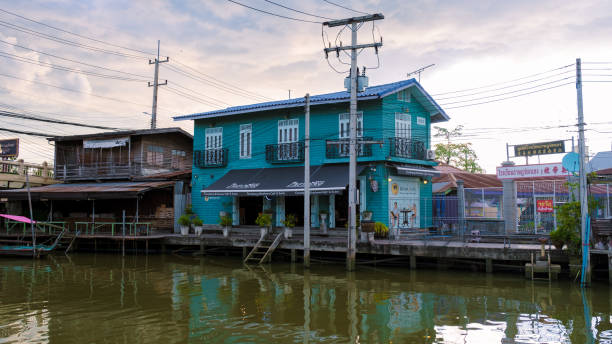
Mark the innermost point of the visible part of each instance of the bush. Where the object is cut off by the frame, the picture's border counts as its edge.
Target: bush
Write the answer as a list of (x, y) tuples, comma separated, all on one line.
[(381, 230), (197, 221), (264, 220), (568, 226), (226, 221), (184, 220), (189, 210), (289, 221)]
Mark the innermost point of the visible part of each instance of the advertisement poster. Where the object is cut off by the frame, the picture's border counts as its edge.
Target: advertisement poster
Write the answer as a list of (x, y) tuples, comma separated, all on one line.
[(404, 202), (544, 205)]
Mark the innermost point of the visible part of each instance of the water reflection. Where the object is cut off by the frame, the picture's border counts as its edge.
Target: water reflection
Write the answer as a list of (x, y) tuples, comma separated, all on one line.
[(167, 299)]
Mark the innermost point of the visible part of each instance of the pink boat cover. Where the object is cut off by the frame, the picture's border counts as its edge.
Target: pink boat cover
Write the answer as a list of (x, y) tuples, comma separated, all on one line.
[(17, 218)]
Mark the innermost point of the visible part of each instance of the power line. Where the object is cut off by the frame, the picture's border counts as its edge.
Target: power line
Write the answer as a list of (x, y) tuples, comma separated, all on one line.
[(74, 34), (75, 61), (504, 82), (346, 8), (298, 11), (191, 97), (51, 120), (274, 14), (201, 94), (32, 133)]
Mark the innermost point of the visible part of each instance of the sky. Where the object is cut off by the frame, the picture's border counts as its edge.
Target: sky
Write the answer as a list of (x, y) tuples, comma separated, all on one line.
[(222, 54)]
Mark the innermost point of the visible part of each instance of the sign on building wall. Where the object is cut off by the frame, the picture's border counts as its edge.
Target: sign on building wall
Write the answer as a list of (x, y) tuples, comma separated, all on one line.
[(544, 205), (108, 143), (9, 148), (531, 171), (404, 202), (541, 148)]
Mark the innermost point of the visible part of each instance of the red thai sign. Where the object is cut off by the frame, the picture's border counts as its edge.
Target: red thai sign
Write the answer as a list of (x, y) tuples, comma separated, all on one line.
[(544, 205)]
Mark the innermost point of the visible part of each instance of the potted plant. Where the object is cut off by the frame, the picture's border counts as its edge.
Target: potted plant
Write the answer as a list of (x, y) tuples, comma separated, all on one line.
[(264, 221), (197, 225), (226, 223), (323, 221), (381, 230), (184, 223), (289, 223), (558, 238), (366, 215)]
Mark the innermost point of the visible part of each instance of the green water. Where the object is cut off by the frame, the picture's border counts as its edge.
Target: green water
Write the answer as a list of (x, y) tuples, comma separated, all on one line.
[(170, 299)]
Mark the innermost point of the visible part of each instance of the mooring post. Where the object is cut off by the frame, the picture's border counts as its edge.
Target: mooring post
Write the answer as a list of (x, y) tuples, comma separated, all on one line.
[(245, 252), (203, 249), (293, 255), (412, 262), (610, 267), (489, 265)]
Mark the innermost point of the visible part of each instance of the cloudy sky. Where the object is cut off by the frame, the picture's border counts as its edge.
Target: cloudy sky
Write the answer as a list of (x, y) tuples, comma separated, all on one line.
[(223, 54)]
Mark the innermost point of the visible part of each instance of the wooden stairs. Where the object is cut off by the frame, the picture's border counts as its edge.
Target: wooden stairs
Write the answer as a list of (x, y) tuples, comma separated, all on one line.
[(262, 252)]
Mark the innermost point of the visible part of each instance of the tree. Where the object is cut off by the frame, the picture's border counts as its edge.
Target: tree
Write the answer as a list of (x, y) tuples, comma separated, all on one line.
[(460, 155)]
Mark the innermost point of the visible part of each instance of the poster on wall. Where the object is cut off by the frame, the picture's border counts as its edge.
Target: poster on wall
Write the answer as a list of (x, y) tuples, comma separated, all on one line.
[(404, 202), (544, 206)]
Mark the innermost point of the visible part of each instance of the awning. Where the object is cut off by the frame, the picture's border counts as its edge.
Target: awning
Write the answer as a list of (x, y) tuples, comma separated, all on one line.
[(324, 179), (82, 191), (416, 171)]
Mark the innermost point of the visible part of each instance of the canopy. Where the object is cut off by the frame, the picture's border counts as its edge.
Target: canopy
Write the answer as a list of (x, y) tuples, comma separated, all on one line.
[(324, 179)]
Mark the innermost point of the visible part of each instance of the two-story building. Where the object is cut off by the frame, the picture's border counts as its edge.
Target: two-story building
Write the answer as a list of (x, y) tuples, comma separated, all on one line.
[(144, 173), (249, 159)]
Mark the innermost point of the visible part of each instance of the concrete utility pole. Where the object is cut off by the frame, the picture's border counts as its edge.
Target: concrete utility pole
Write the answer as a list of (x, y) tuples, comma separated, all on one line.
[(307, 182), (27, 174), (155, 85), (584, 208), (352, 196)]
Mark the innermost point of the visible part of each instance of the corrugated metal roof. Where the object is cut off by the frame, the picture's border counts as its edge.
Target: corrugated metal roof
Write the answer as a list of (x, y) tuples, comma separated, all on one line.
[(123, 133), (87, 190), (373, 92)]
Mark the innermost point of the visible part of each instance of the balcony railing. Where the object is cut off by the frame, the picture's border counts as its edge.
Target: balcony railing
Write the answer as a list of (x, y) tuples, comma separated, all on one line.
[(210, 158), (407, 148), (336, 149), (285, 153)]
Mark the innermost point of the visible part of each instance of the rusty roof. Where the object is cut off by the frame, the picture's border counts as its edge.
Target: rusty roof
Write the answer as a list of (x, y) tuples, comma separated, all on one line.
[(123, 133), (80, 191)]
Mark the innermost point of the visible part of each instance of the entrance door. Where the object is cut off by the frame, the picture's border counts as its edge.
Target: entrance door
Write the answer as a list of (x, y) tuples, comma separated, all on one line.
[(288, 147), (250, 207)]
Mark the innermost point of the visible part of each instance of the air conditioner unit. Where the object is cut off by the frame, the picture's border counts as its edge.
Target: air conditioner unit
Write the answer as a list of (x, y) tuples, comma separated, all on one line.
[(431, 154)]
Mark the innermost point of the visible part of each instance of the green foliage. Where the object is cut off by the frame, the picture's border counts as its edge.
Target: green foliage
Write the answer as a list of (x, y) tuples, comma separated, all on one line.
[(289, 221), (184, 220), (226, 221), (460, 155), (197, 221), (381, 230), (189, 210), (264, 220), (568, 226)]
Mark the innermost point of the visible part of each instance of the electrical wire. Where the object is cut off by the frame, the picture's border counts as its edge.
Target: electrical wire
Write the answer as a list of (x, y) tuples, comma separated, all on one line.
[(201, 94), (76, 34), (274, 14), (297, 11), (346, 8), (5, 113), (191, 97)]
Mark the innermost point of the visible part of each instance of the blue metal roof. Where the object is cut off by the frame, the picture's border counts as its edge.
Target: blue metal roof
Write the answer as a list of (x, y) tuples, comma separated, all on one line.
[(373, 92)]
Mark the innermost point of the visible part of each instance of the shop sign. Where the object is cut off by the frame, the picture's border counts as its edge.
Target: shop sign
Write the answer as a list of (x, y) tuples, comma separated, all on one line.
[(541, 148), (544, 205), (531, 171), (108, 143), (9, 148)]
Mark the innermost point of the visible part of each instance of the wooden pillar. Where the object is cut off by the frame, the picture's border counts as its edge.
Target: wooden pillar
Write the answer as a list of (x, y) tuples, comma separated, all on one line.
[(413, 262), (332, 211), (202, 248), (236, 211), (314, 211), (610, 268), (280, 210), (489, 265), (245, 252), (293, 255)]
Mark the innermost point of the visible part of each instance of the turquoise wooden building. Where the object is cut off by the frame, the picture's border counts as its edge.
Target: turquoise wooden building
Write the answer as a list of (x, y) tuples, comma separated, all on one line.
[(247, 159)]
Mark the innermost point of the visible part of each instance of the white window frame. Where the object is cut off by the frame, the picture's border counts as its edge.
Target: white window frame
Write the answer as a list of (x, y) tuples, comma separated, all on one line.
[(245, 139), (344, 128), (214, 138), (288, 130), (404, 96), (403, 125), (421, 120)]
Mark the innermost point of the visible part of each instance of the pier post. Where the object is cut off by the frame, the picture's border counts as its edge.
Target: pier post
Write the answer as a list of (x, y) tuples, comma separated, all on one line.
[(293, 255), (203, 249), (412, 262), (245, 252), (610, 268), (461, 210), (489, 265), (509, 202)]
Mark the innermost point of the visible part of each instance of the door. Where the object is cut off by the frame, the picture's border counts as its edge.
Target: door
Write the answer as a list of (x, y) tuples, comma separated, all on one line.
[(288, 146), (214, 145)]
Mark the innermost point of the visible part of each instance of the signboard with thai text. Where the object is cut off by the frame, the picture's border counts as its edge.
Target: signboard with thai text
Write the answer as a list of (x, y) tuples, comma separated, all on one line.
[(9, 148), (544, 205), (531, 171), (107, 143), (541, 148)]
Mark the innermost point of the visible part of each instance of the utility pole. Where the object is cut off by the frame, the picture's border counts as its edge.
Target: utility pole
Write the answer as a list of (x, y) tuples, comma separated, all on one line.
[(586, 275), (155, 85), (352, 196), (307, 182), (27, 174)]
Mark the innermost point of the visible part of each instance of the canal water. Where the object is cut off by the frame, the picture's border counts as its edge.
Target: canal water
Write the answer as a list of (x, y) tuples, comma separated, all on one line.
[(88, 298)]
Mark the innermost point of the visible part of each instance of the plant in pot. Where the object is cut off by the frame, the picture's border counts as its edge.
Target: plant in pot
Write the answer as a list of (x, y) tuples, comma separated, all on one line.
[(226, 224), (568, 224), (381, 230), (264, 221), (323, 214), (184, 223), (558, 238), (289, 223), (197, 225), (366, 215)]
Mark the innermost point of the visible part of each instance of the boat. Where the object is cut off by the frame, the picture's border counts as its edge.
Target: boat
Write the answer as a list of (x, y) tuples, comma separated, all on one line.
[(22, 248)]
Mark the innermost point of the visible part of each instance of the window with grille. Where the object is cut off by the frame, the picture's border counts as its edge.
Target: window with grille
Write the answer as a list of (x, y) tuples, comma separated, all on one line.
[(246, 131)]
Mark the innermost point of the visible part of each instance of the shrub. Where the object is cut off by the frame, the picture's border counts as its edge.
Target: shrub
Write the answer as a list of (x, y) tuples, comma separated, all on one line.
[(381, 230), (568, 226), (189, 210), (264, 220), (184, 220), (197, 221), (289, 221), (226, 221)]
